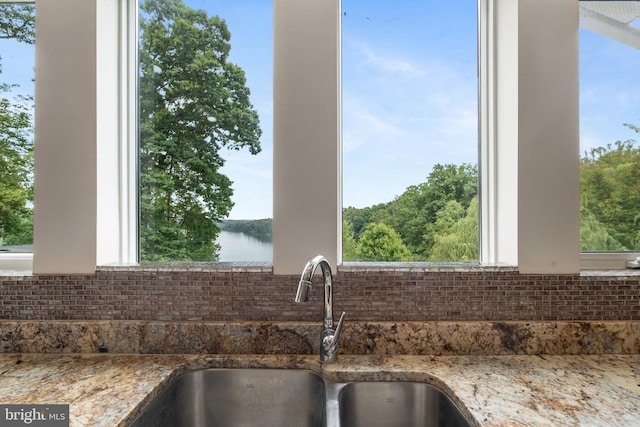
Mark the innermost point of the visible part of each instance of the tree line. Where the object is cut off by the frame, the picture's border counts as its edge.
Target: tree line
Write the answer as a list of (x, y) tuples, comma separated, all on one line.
[(438, 219), (435, 221), (261, 229)]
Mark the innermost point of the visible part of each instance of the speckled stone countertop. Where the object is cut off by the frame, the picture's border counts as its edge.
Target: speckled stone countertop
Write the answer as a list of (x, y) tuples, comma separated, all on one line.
[(503, 390)]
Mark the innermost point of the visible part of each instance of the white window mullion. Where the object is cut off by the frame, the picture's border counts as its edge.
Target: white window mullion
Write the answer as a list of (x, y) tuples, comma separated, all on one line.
[(486, 150), (498, 70), (128, 146)]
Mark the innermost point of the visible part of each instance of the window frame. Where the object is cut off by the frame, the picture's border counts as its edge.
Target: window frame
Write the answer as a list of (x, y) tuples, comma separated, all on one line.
[(20, 263), (615, 31)]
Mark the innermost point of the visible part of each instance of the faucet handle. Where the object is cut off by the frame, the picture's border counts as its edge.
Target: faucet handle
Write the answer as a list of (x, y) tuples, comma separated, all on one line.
[(329, 342), (336, 334)]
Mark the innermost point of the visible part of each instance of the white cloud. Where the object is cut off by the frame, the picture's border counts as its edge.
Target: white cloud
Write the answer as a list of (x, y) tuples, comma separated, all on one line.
[(388, 64), (362, 127), (437, 105)]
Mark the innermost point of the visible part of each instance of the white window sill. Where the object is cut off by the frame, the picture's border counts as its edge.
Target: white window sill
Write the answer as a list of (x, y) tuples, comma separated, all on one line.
[(607, 261), (16, 264), (593, 264)]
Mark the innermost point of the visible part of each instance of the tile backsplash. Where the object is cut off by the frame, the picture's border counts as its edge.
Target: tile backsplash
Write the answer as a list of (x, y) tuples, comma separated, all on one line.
[(236, 293)]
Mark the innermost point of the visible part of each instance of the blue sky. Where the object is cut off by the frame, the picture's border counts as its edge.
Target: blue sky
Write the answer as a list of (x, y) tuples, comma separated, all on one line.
[(409, 93), (17, 60), (609, 91)]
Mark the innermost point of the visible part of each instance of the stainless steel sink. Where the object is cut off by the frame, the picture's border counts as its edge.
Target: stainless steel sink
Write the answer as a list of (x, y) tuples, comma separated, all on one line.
[(239, 397), (397, 404), (295, 398)]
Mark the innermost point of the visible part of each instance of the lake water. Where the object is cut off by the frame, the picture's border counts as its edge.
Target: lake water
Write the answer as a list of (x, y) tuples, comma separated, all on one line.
[(242, 247)]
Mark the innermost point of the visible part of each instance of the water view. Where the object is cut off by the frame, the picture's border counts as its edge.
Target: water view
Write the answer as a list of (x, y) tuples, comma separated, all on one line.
[(242, 247)]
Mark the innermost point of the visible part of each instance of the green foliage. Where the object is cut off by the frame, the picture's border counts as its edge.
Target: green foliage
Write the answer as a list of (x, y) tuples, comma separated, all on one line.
[(414, 214), (17, 21), (193, 102), (447, 217), (16, 139), (438, 219), (610, 197), (349, 245), (380, 242), (457, 238), (16, 169), (594, 236), (359, 218)]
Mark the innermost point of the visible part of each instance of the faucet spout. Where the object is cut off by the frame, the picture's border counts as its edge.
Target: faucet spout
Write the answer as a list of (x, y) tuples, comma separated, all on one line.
[(329, 340)]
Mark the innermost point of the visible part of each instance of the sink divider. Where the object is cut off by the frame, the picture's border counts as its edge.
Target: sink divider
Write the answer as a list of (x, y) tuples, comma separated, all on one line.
[(332, 404)]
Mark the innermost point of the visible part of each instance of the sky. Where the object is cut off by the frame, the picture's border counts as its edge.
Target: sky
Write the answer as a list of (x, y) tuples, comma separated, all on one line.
[(409, 96), (609, 91)]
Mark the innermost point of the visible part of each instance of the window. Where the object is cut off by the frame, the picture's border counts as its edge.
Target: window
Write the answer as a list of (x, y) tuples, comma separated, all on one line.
[(410, 130), (205, 134), (609, 121), (17, 22)]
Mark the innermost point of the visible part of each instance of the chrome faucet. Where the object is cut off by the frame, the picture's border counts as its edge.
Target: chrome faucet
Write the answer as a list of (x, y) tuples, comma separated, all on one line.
[(329, 337)]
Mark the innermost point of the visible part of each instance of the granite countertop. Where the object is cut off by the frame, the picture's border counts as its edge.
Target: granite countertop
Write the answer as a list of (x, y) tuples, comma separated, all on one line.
[(515, 390)]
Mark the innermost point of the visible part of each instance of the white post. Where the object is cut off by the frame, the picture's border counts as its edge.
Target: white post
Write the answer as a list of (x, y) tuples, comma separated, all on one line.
[(548, 137), (307, 201), (65, 137)]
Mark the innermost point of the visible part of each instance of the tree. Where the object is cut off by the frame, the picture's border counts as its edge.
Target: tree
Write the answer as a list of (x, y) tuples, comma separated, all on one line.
[(594, 236), (610, 197), (359, 218), (349, 245), (413, 214), (457, 239), (193, 102), (379, 242), (448, 216), (17, 21), (16, 138), (16, 166)]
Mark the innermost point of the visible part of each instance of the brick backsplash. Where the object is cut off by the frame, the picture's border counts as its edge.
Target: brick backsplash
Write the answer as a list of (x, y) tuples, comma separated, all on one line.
[(365, 292)]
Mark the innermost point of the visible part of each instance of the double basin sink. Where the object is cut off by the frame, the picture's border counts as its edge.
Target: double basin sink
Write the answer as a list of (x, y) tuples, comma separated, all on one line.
[(296, 398)]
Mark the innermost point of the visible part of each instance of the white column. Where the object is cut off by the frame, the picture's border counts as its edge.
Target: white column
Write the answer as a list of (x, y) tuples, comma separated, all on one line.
[(65, 137), (548, 137), (307, 144)]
